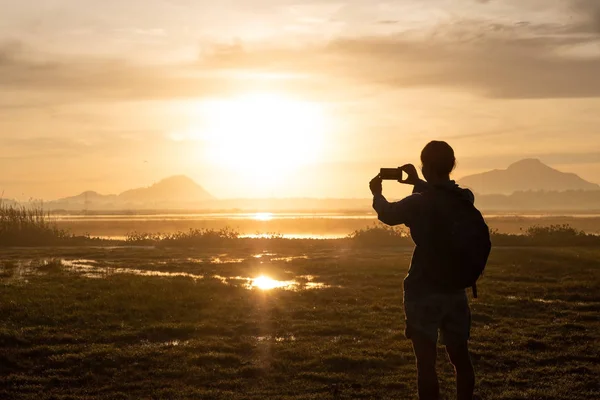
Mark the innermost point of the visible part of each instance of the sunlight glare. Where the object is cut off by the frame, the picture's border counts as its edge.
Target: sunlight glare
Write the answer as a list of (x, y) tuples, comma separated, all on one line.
[(265, 283), (265, 216), (262, 137)]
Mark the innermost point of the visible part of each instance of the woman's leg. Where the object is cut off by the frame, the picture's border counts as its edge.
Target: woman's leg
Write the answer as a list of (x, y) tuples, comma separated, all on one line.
[(465, 375), (426, 354)]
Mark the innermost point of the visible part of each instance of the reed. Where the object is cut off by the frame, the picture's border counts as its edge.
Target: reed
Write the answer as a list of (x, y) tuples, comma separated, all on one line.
[(28, 226)]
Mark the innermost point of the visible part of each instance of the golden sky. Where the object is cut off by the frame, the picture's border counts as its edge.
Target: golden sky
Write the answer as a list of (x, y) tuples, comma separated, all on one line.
[(289, 98)]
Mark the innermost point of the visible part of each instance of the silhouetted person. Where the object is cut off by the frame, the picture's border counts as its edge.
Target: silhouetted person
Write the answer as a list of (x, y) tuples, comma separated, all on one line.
[(431, 307)]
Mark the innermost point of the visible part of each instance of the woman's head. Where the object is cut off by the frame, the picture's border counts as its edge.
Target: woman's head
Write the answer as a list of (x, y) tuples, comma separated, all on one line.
[(438, 161)]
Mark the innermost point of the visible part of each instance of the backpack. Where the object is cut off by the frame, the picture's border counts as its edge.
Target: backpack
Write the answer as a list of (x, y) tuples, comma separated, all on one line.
[(459, 243)]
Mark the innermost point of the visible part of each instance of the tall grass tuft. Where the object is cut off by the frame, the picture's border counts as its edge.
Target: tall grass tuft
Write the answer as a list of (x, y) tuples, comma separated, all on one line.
[(381, 235), (561, 235), (191, 238), (28, 226), (378, 235)]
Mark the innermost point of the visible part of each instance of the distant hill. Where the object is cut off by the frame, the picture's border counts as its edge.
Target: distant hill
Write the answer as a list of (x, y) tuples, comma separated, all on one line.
[(525, 175), (173, 189), (89, 196), (176, 192), (572, 200), (8, 203), (182, 193)]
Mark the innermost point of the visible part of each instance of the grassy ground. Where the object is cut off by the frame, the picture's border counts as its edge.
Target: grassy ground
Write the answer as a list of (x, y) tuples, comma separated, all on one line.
[(536, 326)]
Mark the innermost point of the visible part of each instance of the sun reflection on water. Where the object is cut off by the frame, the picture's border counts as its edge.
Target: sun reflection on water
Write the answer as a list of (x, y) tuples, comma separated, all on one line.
[(264, 216), (103, 270), (265, 283)]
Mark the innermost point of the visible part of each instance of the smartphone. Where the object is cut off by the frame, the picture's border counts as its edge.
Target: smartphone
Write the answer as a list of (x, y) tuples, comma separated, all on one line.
[(391, 174)]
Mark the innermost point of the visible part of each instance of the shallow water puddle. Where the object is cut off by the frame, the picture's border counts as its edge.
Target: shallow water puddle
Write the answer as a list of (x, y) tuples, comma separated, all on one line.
[(221, 260), (516, 298), (170, 343), (21, 270), (339, 338), (264, 254), (139, 272), (264, 282), (311, 284), (315, 285), (81, 261), (547, 301), (290, 258), (278, 339), (95, 270), (89, 269)]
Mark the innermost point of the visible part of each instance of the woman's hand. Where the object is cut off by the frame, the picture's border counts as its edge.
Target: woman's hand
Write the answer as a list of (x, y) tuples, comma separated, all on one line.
[(376, 185), (412, 176)]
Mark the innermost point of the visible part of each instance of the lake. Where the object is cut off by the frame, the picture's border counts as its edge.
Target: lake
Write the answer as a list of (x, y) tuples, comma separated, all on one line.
[(322, 225)]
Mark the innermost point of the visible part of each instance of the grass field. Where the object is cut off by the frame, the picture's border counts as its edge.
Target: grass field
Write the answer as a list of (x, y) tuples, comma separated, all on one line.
[(109, 326)]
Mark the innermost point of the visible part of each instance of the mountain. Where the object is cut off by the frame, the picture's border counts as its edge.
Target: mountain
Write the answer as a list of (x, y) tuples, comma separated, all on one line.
[(525, 175), (176, 192), (89, 197), (8, 203), (556, 202), (174, 189)]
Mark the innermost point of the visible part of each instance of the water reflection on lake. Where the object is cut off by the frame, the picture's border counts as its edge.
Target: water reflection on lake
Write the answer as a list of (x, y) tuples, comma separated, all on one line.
[(288, 225), (260, 216), (263, 216), (295, 236)]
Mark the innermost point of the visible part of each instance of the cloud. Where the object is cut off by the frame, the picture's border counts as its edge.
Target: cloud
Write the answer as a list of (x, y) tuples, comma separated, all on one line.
[(87, 144), (500, 61), (72, 79), (552, 158), (522, 60), (572, 158), (34, 148), (589, 10), (84, 77)]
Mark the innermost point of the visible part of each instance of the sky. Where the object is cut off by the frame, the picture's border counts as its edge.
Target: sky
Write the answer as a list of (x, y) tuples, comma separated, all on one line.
[(282, 98)]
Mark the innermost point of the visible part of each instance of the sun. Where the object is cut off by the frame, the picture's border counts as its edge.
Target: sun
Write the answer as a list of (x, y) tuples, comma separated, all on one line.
[(261, 137)]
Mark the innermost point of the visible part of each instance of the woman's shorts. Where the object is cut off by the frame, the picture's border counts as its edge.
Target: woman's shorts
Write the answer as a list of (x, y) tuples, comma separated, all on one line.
[(448, 314)]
